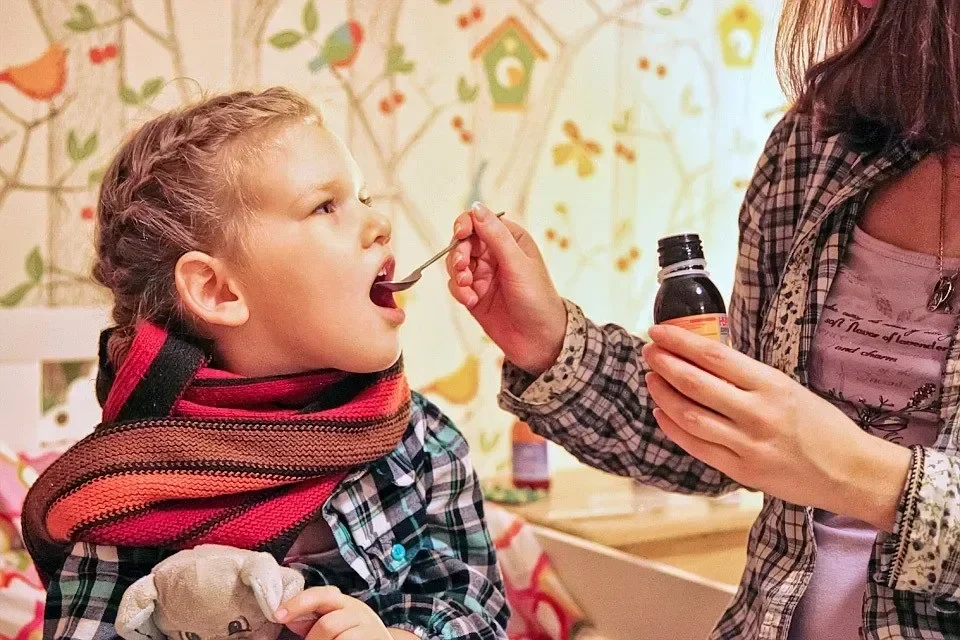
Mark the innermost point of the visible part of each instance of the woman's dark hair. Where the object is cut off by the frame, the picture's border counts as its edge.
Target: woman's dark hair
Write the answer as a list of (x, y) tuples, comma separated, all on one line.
[(877, 75)]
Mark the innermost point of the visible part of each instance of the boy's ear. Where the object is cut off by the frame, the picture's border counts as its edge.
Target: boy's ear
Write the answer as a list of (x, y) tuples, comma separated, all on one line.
[(208, 290)]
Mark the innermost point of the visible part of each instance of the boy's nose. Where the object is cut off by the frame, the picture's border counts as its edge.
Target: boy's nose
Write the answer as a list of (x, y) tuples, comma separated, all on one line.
[(376, 229)]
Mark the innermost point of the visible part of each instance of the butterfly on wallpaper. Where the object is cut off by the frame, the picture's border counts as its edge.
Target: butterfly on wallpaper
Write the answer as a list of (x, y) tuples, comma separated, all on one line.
[(578, 151)]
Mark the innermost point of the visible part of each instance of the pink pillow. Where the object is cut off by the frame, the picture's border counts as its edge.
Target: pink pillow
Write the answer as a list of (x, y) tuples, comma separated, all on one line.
[(21, 598), (18, 471)]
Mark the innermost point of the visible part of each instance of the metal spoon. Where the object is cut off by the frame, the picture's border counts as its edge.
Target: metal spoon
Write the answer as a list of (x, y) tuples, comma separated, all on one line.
[(412, 279)]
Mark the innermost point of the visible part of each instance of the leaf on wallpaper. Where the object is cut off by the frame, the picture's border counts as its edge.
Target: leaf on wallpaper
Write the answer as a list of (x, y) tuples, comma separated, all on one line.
[(460, 386), (129, 96), (309, 17), (34, 265), (489, 441), (286, 39), (95, 177), (687, 103), (670, 12), (562, 153), (578, 151), (56, 379), (623, 124), (396, 62), (466, 91), (776, 111), (443, 2), (622, 230), (151, 88), (79, 151), (16, 295), (82, 19)]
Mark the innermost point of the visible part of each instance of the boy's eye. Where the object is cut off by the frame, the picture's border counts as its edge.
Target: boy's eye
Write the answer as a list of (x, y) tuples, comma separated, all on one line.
[(327, 207)]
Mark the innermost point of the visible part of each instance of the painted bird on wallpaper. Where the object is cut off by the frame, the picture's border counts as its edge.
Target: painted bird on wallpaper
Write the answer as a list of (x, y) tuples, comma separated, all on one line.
[(460, 386), (40, 79), (340, 48)]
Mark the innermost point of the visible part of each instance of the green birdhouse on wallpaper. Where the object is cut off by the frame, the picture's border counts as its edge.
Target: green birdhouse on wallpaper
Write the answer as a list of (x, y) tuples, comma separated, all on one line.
[(509, 53)]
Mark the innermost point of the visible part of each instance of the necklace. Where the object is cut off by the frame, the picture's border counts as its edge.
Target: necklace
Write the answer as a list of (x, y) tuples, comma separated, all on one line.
[(941, 300)]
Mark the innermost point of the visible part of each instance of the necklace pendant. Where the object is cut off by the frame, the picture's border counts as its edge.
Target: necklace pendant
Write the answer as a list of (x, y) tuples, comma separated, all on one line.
[(942, 299)]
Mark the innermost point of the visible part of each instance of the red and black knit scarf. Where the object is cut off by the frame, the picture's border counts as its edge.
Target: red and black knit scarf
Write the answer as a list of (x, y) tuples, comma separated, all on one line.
[(188, 454)]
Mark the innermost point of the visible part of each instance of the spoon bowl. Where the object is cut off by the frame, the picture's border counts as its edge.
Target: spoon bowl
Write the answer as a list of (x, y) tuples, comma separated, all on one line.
[(397, 286)]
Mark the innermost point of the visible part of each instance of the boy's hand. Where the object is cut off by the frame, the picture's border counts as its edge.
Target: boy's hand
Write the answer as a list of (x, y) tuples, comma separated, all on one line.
[(341, 617)]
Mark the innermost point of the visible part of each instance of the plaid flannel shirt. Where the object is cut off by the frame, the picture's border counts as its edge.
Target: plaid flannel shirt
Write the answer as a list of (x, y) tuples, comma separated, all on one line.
[(410, 528), (795, 224)]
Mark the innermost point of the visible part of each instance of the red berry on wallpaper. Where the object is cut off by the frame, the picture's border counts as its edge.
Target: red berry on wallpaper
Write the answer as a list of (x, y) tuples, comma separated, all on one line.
[(477, 12), (463, 21), (467, 137), (398, 98), (96, 55), (457, 122), (86, 213), (386, 106), (110, 51)]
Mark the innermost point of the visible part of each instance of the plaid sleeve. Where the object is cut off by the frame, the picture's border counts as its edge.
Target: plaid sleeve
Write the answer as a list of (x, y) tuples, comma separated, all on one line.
[(603, 414), (924, 548), (594, 401), (83, 598), (454, 588)]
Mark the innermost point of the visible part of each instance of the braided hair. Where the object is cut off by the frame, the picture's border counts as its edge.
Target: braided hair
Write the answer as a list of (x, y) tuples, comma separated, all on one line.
[(174, 187)]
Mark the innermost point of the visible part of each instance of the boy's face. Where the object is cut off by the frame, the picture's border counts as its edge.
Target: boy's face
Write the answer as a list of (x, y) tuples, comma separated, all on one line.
[(313, 249)]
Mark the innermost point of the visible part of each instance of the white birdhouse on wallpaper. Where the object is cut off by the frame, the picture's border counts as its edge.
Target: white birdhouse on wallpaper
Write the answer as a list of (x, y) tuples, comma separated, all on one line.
[(509, 53)]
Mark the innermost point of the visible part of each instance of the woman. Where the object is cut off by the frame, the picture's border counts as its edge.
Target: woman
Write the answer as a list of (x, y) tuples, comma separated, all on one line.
[(840, 399)]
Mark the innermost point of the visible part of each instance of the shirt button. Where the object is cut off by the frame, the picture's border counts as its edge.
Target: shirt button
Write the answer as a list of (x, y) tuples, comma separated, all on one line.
[(398, 552)]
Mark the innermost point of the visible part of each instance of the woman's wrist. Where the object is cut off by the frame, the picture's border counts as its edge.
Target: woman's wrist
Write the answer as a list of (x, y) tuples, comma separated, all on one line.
[(876, 479), (551, 338)]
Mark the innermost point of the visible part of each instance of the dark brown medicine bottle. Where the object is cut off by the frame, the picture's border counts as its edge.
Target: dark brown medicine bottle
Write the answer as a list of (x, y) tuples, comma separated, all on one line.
[(687, 297)]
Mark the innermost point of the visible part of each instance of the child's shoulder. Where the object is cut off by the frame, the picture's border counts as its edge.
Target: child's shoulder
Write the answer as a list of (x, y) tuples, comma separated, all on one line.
[(434, 430)]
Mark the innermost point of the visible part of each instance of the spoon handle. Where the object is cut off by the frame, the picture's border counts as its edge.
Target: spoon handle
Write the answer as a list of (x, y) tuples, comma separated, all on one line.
[(445, 251)]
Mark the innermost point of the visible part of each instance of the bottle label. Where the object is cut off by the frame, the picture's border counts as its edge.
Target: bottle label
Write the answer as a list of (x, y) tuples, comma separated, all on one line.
[(710, 325), (530, 461)]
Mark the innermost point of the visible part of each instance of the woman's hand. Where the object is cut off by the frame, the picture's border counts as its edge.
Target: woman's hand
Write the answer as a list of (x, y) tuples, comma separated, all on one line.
[(340, 616), (768, 432), (497, 272)]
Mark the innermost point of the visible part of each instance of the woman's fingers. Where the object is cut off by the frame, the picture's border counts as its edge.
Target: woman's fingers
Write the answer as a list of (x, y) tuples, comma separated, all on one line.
[(700, 386), (464, 295), (693, 418)]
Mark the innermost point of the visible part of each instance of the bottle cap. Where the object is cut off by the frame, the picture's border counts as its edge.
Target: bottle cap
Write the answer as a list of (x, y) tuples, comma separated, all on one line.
[(679, 248)]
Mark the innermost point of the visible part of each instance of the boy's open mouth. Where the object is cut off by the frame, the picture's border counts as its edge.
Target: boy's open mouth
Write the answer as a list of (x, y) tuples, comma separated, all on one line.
[(379, 295)]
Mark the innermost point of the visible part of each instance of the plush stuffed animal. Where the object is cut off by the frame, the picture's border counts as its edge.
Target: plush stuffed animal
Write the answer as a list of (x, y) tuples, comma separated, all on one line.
[(210, 592)]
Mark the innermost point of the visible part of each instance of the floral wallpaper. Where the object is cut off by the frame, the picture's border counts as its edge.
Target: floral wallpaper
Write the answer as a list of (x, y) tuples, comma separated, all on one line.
[(599, 124)]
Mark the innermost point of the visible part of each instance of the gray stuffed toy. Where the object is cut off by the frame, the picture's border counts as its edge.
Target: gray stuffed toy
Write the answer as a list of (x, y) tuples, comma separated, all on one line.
[(210, 592)]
